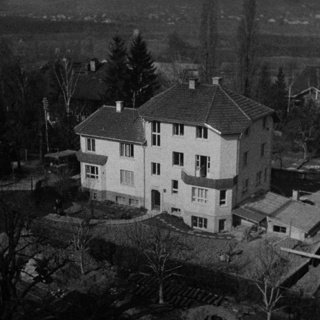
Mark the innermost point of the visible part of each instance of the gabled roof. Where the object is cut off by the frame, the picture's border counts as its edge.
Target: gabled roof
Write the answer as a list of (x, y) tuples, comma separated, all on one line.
[(213, 105), (108, 124), (308, 79)]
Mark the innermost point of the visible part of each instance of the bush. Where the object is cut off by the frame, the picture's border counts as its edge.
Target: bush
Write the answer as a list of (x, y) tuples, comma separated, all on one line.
[(102, 250)]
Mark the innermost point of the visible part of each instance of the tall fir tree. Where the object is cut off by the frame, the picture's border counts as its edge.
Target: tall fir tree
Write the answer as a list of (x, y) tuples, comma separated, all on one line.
[(208, 39), (117, 78), (247, 47), (280, 95), (264, 87), (143, 79)]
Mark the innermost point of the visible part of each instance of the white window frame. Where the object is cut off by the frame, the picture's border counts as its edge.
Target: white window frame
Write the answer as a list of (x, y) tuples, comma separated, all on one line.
[(199, 222), (155, 133), (91, 172), (198, 158), (175, 210), (126, 150), (282, 229), (127, 177), (199, 195), (201, 132), (177, 129), (177, 156), (91, 144), (155, 169), (174, 189), (223, 197), (121, 200), (133, 202)]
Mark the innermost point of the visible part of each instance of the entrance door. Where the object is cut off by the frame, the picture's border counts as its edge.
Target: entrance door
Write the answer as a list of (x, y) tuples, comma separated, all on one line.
[(155, 200), (202, 166), (222, 224)]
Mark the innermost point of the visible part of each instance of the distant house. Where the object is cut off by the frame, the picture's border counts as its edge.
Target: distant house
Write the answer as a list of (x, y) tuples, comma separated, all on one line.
[(195, 151), (280, 216), (306, 86)]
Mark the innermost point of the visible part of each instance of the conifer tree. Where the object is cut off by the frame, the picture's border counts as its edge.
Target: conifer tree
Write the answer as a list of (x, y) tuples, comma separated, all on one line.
[(208, 39), (117, 73), (264, 87), (279, 92), (143, 79)]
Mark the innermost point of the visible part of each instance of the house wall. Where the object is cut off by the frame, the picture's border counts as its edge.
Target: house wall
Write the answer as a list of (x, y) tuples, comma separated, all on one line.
[(219, 149), (291, 231), (108, 185), (252, 143)]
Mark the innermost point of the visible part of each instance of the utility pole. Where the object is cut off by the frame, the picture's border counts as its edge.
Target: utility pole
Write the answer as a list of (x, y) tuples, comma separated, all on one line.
[(45, 108)]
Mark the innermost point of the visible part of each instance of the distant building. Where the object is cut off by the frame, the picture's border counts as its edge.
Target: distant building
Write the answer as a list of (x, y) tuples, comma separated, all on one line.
[(195, 150), (306, 86)]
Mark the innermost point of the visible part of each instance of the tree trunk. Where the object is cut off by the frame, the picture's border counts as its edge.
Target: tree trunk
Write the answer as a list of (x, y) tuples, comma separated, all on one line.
[(161, 301), (81, 262), (305, 151), (269, 314)]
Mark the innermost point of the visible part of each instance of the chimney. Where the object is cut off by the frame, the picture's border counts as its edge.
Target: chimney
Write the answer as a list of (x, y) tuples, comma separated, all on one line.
[(92, 65), (119, 106), (192, 84), (295, 195), (217, 81)]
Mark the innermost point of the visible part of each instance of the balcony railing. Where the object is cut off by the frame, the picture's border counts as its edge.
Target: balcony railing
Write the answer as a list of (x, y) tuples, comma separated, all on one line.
[(208, 183)]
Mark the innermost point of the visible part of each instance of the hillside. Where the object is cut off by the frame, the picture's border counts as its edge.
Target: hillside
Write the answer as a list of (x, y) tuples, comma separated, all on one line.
[(295, 15)]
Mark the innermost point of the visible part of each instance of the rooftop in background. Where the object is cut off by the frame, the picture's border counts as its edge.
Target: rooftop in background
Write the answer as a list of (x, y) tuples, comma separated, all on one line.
[(60, 154), (309, 78), (207, 104), (107, 123)]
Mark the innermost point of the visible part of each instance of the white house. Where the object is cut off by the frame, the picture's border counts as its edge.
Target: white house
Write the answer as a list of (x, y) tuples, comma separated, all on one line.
[(195, 150)]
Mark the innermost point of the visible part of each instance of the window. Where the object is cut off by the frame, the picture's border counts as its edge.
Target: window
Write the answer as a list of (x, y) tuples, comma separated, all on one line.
[(245, 186), (202, 132), (178, 129), (126, 150), (199, 195), (265, 174), (91, 144), (245, 159), (127, 177), (258, 178), (177, 159), (202, 166), (174, 186), (247, 131), (264, 122), (175, 210), (120, 200), (279, 229), (134, 202), (92, 172), (155, 135), (262, 150), (155, 168), (223, 197), (199, 222)]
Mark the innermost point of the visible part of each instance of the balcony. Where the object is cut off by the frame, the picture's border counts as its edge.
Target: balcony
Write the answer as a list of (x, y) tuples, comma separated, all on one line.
[(218, 184)]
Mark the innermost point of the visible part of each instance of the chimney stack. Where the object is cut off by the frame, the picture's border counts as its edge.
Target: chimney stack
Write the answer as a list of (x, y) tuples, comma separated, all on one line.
[(217, 81), (295, 195), (119, 106)]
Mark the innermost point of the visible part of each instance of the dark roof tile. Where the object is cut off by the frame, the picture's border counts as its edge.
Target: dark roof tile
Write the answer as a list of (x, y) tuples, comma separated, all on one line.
[(225, 111), (108, 124)]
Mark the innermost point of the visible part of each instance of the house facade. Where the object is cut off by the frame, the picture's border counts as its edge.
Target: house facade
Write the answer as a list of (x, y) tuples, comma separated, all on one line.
[(195, 150)]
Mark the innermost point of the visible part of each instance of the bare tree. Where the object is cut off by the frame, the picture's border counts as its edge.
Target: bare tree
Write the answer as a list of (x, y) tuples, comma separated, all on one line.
[(80, 242), (160, 247), (209, 38), (271, 266), (247, 46), (19, 245), (67, 79)]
